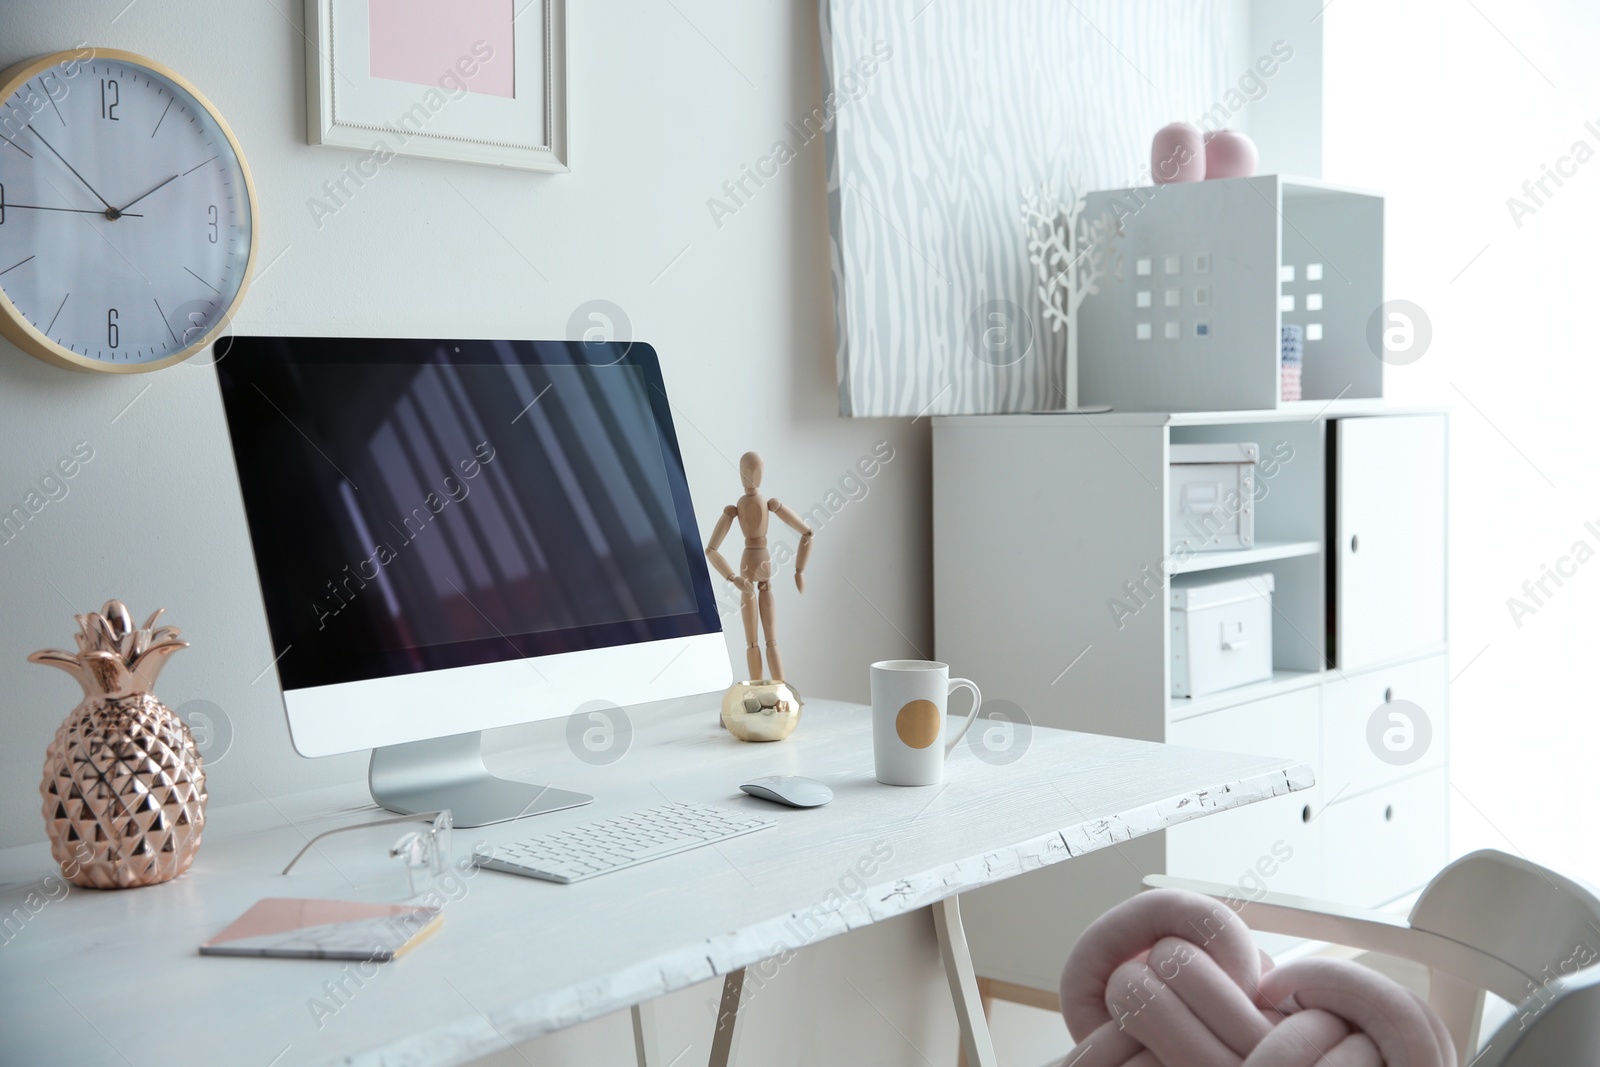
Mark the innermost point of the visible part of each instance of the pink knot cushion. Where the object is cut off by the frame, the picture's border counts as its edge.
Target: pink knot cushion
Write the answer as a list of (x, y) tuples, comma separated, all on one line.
[(1177, 154), (1173, 979)]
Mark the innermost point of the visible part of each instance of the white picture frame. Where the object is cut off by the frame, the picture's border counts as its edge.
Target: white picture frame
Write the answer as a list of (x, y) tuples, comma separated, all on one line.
[(347, 106)]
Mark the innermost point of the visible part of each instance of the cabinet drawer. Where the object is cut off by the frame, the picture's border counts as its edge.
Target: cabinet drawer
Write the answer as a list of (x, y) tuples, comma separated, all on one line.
[(1389, 538), (1270, 846), (1383, 725), (1386, 843)]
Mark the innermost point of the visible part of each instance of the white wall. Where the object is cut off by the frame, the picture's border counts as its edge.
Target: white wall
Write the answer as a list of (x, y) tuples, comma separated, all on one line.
[(1449, 108), (1287, 122), (741, 318), (667, 102), (665, 107)]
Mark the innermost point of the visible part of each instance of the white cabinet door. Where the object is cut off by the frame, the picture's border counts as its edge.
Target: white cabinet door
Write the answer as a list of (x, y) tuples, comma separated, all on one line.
[(1386, 843), (1382, 725), (1271, 846), (1389, 544)]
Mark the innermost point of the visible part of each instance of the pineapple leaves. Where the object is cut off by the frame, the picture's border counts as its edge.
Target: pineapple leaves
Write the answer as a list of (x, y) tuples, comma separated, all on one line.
[(117, 614), (115, 658), (66, 661), (148, 665), (109, 673), (105, 637)]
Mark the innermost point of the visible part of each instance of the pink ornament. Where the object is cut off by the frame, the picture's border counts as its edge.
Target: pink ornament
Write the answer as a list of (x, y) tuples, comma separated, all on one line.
[(1177, 154), (1230, 154)]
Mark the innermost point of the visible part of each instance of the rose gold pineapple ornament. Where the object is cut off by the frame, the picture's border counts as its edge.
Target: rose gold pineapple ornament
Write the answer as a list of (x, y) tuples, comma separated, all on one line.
[(760, 708), (124, 790)]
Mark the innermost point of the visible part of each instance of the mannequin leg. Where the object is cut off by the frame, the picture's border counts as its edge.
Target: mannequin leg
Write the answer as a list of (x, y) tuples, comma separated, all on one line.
[(774, 661), (747, 612)]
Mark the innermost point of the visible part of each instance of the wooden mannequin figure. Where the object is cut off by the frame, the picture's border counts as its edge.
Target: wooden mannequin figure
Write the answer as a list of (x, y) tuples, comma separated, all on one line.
[(754, 577)]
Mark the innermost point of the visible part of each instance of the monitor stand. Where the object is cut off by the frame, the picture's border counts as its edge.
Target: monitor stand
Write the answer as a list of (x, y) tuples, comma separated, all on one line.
[(448, 772)]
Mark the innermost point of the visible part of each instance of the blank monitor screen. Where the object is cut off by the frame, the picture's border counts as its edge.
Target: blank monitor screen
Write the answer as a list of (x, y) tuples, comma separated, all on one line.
[(418, 505)]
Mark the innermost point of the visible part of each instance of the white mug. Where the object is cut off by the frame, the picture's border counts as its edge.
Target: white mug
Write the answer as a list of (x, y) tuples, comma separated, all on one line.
[(909, 697)]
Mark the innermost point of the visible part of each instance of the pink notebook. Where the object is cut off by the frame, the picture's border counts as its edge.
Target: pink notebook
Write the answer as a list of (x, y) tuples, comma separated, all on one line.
[(325, 930)]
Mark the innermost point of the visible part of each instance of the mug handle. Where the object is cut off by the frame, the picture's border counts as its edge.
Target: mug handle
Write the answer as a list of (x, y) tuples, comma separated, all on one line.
[(972, 716)]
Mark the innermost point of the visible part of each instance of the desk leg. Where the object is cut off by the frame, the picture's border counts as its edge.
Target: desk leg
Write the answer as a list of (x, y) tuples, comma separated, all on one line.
[(975, 1043), (646, 1049), (725, 1041)]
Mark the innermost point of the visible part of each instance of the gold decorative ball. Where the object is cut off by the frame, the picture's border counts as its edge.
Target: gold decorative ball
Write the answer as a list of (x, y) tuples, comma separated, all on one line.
[(762, 710)]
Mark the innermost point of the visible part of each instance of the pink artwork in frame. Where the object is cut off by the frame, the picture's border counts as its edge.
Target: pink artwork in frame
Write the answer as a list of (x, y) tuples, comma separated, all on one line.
[(424, 41)]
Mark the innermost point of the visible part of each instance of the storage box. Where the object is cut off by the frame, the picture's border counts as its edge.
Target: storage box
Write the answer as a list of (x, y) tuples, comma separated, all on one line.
[(1211, 271), (1212, 504), (1221, 634)]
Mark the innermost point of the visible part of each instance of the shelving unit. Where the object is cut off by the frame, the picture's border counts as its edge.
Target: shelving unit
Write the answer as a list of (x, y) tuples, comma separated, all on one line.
[(1281, 682), (1263, 552), (1211, 271), (1349, 520)]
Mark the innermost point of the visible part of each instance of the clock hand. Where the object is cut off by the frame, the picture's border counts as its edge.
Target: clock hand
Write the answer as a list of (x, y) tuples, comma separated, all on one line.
[(144, 194), (70, 167), (8, 206)]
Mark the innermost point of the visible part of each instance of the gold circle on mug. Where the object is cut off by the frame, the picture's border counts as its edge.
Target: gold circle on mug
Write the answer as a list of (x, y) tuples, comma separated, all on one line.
[(918, 723)]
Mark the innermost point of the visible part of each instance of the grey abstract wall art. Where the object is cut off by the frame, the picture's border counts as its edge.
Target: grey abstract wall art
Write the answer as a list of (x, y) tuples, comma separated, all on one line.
[(941, 114)]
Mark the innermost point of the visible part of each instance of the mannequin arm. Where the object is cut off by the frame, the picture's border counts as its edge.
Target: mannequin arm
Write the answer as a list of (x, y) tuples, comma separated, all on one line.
[(787, 515), (718, 535)]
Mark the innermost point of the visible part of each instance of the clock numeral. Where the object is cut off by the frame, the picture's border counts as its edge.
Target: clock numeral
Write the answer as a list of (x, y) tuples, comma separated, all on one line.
[(197, 325), (2, 203), (113, 334), (110, 97), (211, 213)]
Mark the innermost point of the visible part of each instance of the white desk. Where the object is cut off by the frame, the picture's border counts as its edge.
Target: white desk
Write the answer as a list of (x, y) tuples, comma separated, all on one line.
[(517, 958)]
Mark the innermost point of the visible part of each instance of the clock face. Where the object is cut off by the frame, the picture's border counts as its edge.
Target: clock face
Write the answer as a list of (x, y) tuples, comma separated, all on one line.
[(126, 216)]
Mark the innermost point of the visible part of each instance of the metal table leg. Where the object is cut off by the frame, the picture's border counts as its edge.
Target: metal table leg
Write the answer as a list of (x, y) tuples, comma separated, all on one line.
[(645, 1046), (725, 1041), (975, 1042)]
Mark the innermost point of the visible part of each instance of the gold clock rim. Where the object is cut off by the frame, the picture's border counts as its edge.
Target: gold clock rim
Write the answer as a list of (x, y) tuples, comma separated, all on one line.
[(24, 334)]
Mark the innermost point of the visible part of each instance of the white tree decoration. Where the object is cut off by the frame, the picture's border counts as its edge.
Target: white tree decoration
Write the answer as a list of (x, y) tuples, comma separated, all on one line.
[(1070, 254)]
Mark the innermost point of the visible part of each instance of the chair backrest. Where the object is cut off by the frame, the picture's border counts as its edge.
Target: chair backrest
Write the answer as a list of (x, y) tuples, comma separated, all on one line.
[(1558, 1026), (1487, 922), (1544, 925)]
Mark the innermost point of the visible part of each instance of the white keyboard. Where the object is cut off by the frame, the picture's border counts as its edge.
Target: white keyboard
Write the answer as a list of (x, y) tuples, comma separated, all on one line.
[(626, 841)]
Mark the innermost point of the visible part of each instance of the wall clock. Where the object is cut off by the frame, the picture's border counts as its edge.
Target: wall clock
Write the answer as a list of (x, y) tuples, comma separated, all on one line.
[(127, 214)]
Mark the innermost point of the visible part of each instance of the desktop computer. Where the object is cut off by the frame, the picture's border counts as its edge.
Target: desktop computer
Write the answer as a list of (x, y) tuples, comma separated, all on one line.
[(458, 535)]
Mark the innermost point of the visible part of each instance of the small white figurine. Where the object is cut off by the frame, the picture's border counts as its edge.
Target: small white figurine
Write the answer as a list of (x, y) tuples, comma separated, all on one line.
[(1070, 253)]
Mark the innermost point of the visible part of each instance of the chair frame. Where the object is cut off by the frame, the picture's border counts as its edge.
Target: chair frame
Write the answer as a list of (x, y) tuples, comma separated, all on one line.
[(1488, 923)]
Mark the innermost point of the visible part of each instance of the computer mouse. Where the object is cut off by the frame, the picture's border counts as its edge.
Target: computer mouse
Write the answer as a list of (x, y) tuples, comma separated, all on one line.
[(789, 789)]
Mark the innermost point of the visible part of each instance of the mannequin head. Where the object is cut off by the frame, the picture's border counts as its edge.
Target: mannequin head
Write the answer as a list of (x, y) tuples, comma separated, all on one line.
[(750, 467)]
